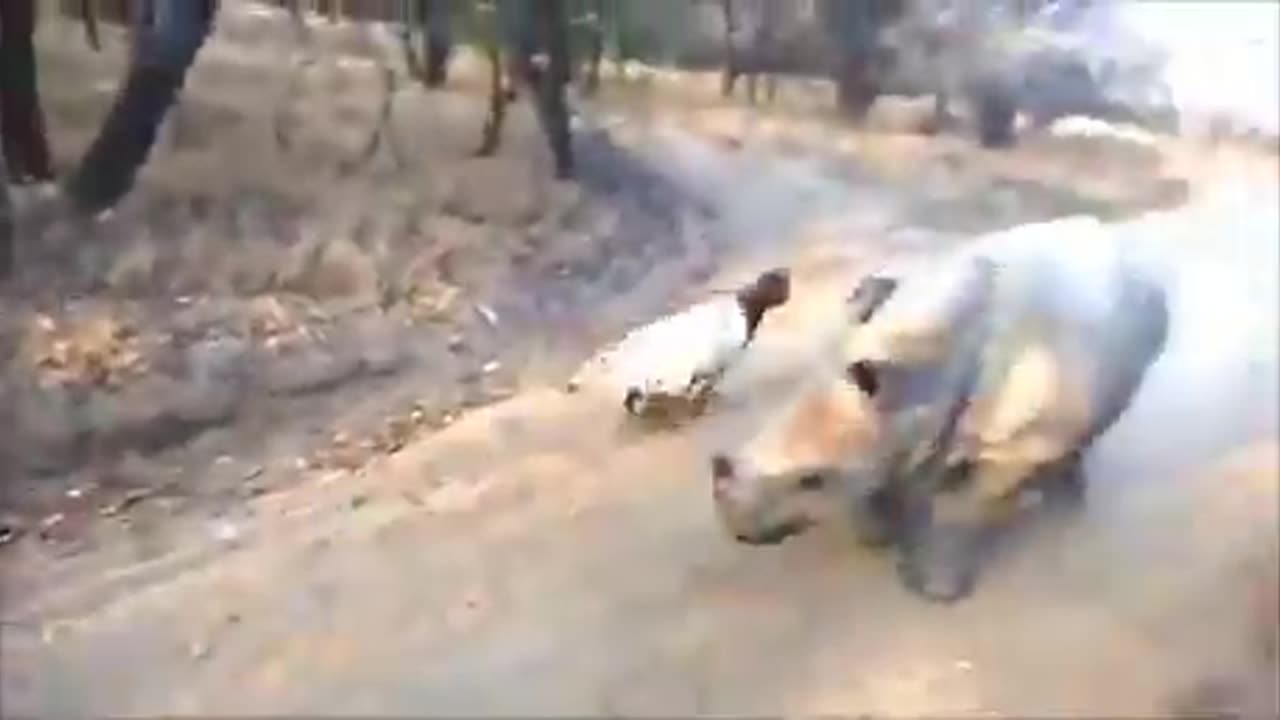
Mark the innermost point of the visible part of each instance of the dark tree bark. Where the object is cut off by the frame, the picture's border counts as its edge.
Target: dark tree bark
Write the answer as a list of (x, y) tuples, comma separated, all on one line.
[(25, 144), (89, 14), (856, 89), (6, 224), (765, 51), (729, 76), (595, 46), (439, 32), (517, 33), (855, 27), (165, 49), (996, 113), (430, 22), (553, 110), (491, 135), (523, 28)]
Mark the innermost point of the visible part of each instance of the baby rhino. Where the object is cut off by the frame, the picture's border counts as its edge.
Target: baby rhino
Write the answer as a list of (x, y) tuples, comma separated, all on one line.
[(954, 388)]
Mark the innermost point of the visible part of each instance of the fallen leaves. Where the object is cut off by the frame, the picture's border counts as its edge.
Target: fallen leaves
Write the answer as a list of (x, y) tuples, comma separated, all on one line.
[(97, 349)]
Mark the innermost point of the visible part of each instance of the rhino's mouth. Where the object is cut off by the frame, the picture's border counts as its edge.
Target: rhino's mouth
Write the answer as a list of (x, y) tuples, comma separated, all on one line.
[(772, 534)]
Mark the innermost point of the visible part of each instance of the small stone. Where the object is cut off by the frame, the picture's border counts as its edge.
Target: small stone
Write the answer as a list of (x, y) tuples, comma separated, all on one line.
[(964, 665), (491, 367), (75, 493), (226, 532), (252, 472), (52, 521), (198, 650), (456, 342), (488, 314), (359, 501)]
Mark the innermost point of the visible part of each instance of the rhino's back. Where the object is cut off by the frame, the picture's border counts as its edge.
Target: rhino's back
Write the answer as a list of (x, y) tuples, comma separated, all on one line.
[(1073, 326)]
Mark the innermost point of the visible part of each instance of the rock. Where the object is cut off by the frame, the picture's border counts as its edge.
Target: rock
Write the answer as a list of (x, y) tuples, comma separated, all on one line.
[(159, 411), (136, 416), (488, 314), (381, 344), (225, 531), (307, 371), (337, 268), (218, 377)]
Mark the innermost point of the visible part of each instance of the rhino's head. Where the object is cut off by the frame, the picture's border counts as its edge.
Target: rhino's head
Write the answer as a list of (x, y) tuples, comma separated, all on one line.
[(830, 441), (846, 430)]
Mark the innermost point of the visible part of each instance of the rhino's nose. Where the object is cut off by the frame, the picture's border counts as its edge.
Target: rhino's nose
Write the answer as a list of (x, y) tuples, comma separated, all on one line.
[(631, 401), (721, 466), (721, 474)]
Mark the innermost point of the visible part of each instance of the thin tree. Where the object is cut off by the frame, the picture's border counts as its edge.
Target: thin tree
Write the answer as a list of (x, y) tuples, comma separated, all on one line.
[(22, 131), (594, 21), (729, 76), (169, 35), (430, 22), (89, 14), (553, 109), (6, 223), (491, 133)]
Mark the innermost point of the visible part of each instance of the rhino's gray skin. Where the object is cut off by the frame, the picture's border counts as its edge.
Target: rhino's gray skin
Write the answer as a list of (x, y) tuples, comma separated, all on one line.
[(975, 378)]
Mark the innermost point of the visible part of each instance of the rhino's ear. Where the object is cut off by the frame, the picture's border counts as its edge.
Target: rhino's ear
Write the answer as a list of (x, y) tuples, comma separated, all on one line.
[(865, 375), (867, 298)]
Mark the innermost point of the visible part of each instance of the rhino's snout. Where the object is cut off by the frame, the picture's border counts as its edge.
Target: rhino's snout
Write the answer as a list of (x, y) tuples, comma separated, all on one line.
[(724, 481), (631, 401), (741, 513)]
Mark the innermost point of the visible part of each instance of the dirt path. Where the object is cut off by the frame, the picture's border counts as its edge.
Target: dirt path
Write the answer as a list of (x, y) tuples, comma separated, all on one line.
[(534, 557), (537, 559)]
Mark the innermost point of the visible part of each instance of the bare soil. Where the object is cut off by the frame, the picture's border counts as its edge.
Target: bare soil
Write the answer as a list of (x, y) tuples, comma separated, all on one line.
[(287, 435)]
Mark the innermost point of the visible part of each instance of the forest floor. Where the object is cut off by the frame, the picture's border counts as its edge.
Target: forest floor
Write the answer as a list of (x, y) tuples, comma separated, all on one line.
[(286, 434)]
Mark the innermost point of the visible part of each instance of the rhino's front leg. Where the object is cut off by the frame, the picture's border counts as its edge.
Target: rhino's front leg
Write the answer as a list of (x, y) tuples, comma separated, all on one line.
[(946, 534), (877, 517), (1065, 482)]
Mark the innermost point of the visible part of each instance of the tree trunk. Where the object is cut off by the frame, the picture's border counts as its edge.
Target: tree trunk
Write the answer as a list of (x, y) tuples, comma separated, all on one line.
[(21, 120), (492, 134), (165, 49), (595, 46), (89, 13), (855, 87), (553, 110), (438, 16), (729, 78), (6, 224)]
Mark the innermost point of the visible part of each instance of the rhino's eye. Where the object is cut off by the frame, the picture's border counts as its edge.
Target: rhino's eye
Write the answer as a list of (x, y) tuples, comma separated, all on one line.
[(811, 481), (863, 374)]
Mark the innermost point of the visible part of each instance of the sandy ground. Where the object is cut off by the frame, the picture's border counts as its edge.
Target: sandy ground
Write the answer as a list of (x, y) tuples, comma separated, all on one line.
[(535, 556)]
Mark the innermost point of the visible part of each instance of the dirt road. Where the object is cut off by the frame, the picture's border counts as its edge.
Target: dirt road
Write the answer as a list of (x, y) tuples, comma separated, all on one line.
[(536, 558)]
